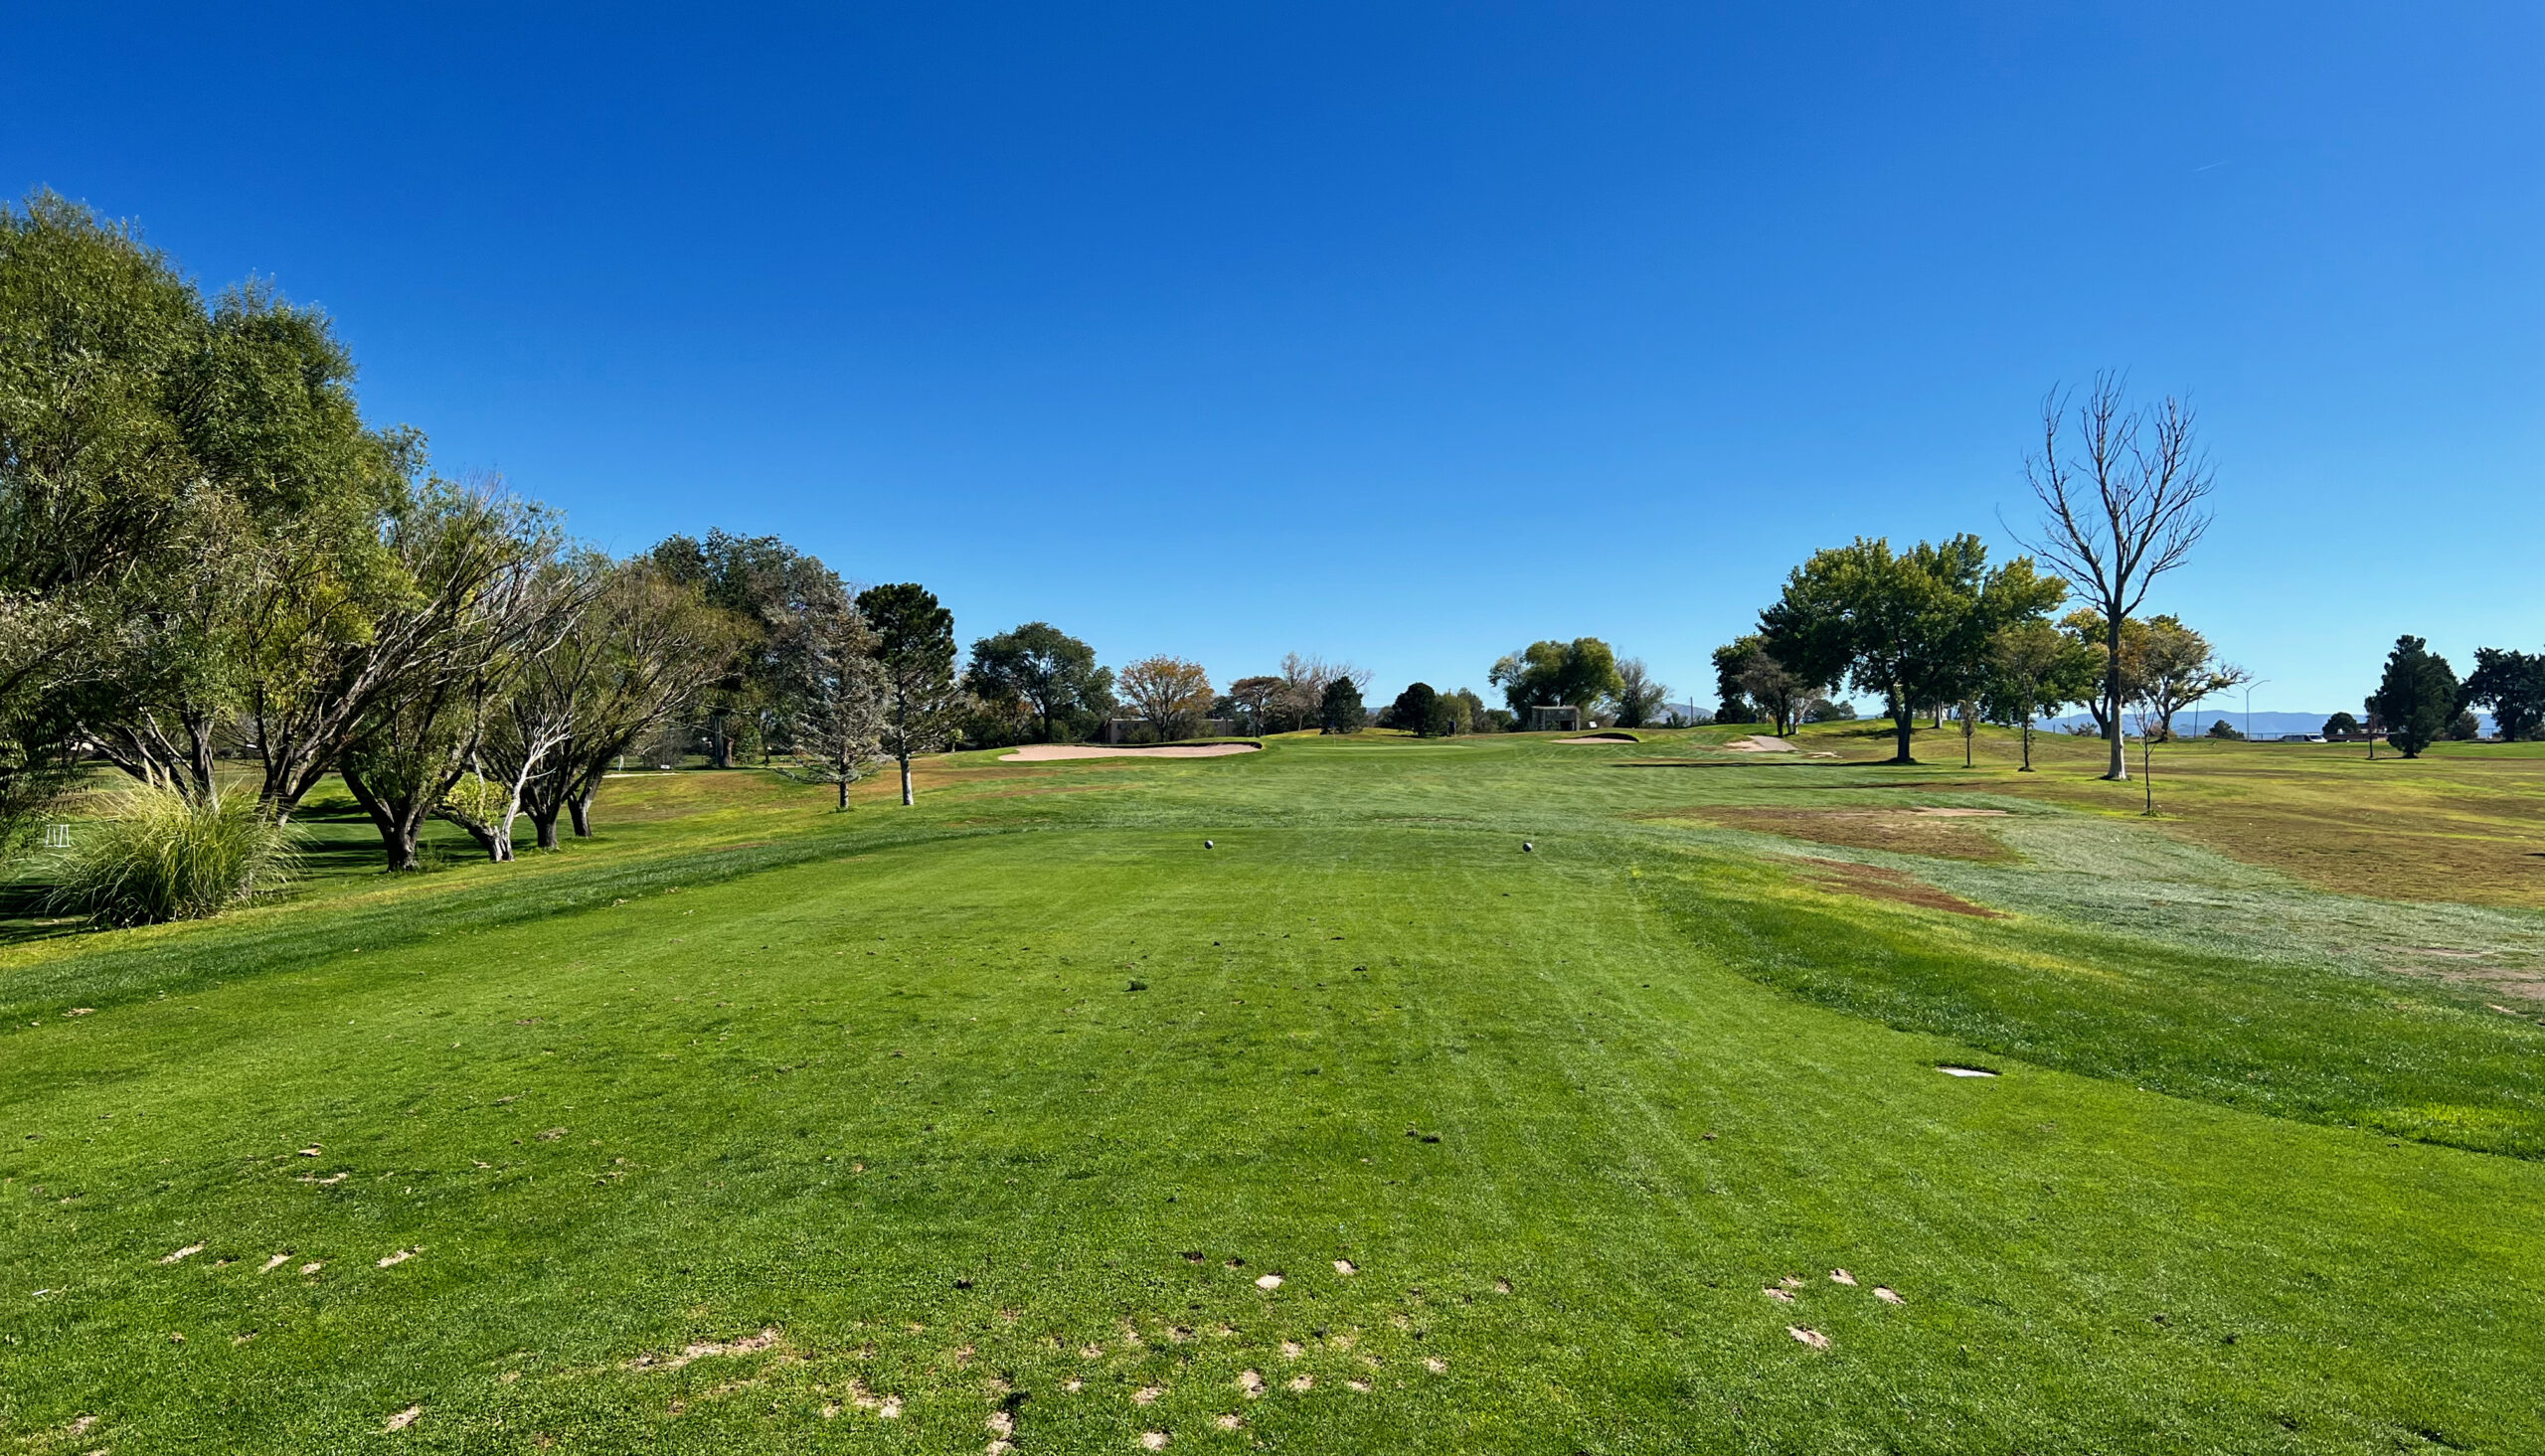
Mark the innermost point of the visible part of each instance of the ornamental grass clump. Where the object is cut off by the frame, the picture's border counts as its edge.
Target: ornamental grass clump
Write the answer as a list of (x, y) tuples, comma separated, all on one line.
[(159, 856)]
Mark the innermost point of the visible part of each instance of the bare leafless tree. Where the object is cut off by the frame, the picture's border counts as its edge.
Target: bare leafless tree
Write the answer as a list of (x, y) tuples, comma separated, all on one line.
[(1304, 679), (2123, 503)]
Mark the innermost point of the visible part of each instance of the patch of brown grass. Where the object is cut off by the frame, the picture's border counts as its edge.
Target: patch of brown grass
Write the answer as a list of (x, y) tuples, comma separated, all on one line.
[(2465, 823), (1843, 877), (1900, 831)]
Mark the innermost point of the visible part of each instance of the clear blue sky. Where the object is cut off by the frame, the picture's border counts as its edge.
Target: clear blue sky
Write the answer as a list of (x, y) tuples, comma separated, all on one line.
[(1398, 333)]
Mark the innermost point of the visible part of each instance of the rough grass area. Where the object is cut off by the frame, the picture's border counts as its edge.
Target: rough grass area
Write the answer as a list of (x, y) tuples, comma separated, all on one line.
[(1024, 1121), (1898, 830), (2463, 822)]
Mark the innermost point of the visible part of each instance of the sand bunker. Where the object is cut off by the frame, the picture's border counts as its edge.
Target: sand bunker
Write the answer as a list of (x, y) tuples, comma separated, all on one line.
[(1602, 739), (1051, 752), (1759, 743)]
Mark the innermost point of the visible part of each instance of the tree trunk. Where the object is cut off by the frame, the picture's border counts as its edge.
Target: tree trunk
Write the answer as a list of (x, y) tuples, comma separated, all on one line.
[(2120, 769), (1903, 722), (907, 798), (581, 810), (843, 793), (399, 824), (547, 826), (203, 764)]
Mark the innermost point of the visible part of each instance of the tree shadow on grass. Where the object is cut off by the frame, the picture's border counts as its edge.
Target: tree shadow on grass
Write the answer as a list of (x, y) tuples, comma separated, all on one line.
[(24, 917)]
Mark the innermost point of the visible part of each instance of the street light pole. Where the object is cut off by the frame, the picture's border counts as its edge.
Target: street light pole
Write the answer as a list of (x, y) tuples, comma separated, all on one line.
[(2249, 706)]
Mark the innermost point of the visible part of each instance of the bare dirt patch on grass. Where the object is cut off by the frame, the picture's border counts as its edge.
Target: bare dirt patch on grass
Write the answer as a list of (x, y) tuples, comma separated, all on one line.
[(1941, 834), (705, 1348), (2471, 969), (1844, 876)]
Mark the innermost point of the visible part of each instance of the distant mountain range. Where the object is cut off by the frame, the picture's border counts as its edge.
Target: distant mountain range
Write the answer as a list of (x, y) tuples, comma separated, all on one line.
[(2187, 723), (2264, 725)]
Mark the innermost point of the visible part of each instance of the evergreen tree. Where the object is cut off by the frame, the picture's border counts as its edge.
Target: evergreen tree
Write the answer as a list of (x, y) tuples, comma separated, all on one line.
[(2418, 698), (1341, 711), (1412, 711), (914, 655)]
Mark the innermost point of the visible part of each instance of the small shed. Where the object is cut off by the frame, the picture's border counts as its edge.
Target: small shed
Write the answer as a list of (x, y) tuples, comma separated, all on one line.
[(1548, 718)]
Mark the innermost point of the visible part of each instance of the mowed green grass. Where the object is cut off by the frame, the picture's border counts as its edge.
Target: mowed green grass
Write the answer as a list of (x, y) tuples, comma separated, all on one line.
[(748, 1123)]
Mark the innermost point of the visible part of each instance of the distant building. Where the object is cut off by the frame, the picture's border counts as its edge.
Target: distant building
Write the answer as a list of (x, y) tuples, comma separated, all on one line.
[(1548, 718)]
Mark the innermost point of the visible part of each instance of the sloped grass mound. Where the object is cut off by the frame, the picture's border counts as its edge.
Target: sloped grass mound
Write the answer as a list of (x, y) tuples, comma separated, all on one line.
[(2284, 1038)]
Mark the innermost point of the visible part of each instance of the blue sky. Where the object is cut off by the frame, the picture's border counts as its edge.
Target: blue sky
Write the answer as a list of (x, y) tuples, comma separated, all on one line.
[(1398, 333)]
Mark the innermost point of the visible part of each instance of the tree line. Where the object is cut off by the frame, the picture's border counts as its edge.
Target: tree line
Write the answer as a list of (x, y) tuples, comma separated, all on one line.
[(2420, 700), (1934, 627), (211, 566)]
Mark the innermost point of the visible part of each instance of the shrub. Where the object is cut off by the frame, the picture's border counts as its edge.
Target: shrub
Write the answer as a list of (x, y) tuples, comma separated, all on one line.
[(159, 856)]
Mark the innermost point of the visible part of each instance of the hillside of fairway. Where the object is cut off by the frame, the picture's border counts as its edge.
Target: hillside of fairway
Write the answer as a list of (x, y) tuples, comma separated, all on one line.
[(1024, 1121)]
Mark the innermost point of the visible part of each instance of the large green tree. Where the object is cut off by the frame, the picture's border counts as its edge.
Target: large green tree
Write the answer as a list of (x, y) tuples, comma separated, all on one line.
[(96, 331), (443, 717), (1052, 672), (1424, 711), (1580, 673), (2418, 697), (1913, 626), (2512, 685), (779, 595), (1754, 681), (1172, 695), (189, 491), (914, 659)]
